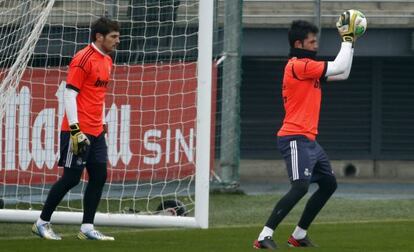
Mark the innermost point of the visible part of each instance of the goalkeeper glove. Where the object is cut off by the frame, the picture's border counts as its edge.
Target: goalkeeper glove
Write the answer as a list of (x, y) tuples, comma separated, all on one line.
[(79, 140), (346, 26)]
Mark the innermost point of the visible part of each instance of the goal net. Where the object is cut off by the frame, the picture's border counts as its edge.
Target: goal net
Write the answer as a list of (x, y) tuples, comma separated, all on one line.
[(158, 109)]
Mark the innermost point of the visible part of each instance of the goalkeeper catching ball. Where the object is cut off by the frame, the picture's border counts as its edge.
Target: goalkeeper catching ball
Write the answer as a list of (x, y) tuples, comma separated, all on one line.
[(305, 159), (82, 137)]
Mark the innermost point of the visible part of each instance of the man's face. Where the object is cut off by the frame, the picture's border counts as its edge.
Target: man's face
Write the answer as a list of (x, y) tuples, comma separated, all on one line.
[(310, 43), (109, 42)]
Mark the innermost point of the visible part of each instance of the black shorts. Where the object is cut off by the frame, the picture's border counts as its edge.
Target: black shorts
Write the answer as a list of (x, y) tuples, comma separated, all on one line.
[(305, 159), (96, 153)]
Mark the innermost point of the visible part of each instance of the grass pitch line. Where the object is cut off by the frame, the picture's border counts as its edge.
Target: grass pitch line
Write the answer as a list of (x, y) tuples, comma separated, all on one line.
[(31, 236)]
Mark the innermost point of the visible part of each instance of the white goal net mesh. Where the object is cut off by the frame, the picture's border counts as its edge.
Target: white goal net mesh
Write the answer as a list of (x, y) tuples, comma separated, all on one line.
[(151, 103)]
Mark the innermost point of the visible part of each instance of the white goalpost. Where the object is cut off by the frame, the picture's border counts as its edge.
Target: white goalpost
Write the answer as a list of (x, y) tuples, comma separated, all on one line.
[(160, 109)]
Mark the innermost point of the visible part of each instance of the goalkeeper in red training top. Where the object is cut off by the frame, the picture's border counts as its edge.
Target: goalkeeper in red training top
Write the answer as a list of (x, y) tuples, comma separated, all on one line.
[(82, 139), (305, 159)]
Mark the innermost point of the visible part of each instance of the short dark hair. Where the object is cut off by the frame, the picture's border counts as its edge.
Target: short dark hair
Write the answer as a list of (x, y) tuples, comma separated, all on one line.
[(299, 30), (103, 26)]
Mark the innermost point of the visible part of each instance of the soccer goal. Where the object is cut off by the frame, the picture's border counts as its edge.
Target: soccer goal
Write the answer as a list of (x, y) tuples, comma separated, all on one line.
[(159, 109)]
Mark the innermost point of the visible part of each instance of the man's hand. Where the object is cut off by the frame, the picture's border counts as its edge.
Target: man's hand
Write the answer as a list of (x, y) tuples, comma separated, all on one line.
[(346, 26), (79, 140), (105, 128)]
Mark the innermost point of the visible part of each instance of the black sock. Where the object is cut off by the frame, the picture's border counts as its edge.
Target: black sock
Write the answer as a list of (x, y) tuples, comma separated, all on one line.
[(97, 177), (327, 186), (298, 189), (70, 179)]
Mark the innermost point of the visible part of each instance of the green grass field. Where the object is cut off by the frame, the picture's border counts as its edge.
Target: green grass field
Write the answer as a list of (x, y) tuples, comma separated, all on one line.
[(236, 220)]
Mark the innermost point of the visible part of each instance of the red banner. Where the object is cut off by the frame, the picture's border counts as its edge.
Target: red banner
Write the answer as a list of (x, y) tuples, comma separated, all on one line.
[(151, 117)]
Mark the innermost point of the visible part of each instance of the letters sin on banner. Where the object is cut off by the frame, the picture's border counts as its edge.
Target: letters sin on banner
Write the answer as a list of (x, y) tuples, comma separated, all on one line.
[(150, 113)]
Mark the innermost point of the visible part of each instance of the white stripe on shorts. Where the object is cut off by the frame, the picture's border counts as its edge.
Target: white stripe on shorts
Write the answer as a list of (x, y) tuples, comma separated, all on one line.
[(294, 159), (69, 155)]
